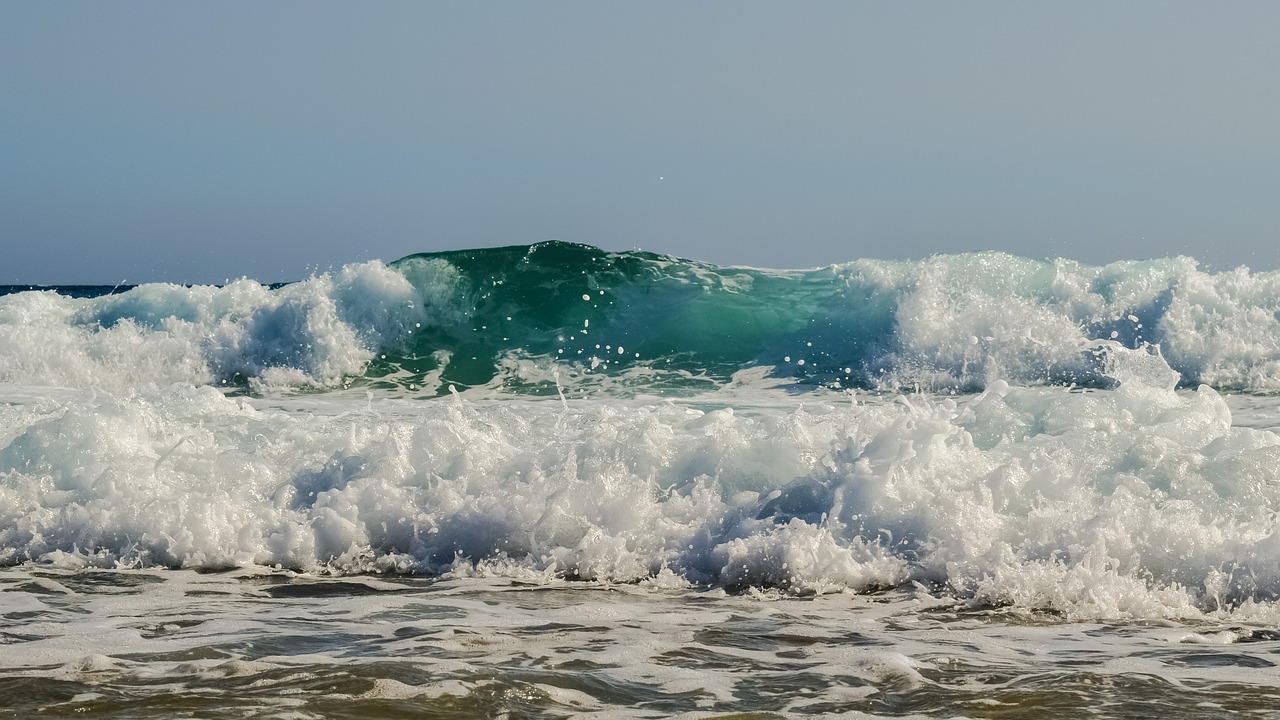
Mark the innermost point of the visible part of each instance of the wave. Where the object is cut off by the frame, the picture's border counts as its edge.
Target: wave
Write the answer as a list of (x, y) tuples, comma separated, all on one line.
[(1134, 502), (556, 317), (1056, 463)]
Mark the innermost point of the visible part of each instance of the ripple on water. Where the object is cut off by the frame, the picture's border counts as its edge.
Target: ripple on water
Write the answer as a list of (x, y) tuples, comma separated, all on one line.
[(242, 644)]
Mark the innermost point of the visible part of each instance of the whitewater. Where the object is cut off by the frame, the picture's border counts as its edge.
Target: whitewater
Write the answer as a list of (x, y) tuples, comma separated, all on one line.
[(552, 480)]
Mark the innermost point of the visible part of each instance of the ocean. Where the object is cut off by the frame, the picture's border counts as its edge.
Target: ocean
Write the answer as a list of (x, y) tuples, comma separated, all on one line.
[(554, 481)]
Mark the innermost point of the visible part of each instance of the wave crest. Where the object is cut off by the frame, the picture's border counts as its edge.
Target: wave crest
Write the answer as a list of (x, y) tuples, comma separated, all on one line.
[(555, 317)]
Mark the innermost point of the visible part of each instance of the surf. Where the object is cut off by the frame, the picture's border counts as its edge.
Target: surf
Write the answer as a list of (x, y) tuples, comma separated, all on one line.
[(555, 317)]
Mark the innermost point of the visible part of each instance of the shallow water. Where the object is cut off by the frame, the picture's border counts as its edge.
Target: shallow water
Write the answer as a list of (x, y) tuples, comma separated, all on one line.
[(246, 644)]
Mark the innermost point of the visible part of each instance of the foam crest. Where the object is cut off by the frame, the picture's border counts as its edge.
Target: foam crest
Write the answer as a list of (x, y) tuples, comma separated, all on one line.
[(1133, 502), (315, 333), (955, 322), (961, 321), (556, 317)]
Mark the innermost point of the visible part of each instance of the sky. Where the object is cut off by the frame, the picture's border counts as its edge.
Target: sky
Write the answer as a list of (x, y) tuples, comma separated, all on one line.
[(199, 142)]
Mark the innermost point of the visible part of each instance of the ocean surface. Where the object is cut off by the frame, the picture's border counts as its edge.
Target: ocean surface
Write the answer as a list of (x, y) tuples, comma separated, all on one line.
[(554, 481)]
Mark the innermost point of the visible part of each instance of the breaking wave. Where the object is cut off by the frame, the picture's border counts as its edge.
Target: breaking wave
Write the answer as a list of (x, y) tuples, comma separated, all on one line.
[(556, 317)]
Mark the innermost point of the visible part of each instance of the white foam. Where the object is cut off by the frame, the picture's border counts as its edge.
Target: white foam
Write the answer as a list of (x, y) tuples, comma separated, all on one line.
[(964, 320), (313, 333), (1134, 502)]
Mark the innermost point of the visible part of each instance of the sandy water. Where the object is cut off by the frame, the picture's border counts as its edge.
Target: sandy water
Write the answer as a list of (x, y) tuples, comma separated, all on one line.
[(165, 643)]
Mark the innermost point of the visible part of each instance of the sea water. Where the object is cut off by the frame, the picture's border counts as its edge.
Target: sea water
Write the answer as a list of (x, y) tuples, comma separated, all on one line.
[(550, 480)]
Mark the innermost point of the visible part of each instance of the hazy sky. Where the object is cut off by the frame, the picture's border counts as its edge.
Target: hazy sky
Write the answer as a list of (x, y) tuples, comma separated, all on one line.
[(195, 142)]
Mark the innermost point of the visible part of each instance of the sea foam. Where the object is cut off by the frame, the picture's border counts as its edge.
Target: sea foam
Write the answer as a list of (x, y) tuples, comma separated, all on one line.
[(1140, 501), (314, 333)]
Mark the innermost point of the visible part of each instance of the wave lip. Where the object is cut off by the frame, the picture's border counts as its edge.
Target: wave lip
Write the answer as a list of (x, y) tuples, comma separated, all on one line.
[(555, 317), (312, 334)]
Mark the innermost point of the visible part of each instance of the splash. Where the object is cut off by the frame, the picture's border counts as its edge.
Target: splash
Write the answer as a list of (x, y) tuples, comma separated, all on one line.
[(554, 317), (1133, 502)]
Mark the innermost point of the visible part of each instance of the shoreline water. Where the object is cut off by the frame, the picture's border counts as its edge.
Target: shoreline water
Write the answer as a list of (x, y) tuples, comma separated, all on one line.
[(251, 643)]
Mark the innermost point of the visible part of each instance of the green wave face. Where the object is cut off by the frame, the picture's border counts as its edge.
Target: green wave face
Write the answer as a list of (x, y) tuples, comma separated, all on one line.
[(523, 317), (535, 319)]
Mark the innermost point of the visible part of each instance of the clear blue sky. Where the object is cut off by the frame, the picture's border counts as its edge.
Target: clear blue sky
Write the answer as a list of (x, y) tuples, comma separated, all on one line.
[(194, 142)]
